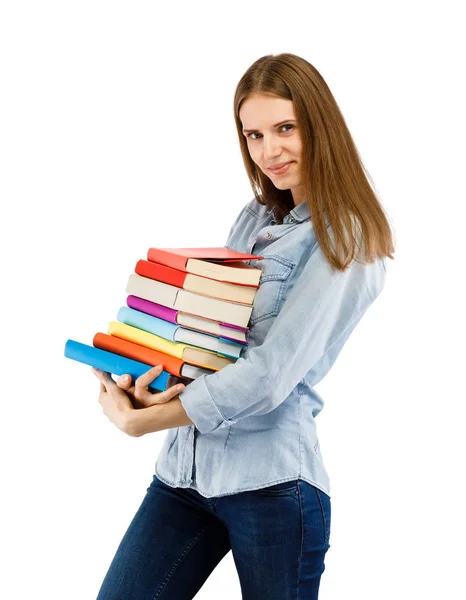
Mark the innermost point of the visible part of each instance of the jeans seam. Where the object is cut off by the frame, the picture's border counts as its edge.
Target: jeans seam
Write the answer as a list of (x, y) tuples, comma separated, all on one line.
[(176, 564), (252, 211), (302, 542), (323, 515), (300, 446)]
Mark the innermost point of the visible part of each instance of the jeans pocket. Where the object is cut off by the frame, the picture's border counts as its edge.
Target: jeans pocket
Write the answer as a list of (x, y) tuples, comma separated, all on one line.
[(325, 506), (287, 488)]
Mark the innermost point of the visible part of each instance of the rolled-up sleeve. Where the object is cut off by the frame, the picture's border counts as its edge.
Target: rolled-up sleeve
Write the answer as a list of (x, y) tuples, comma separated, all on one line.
[(322, 308)]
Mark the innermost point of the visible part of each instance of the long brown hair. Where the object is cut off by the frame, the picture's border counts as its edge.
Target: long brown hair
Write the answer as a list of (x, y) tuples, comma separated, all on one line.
[(333, 178)]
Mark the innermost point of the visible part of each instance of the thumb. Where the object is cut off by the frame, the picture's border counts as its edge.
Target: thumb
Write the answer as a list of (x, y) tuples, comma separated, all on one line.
[(124, 382)]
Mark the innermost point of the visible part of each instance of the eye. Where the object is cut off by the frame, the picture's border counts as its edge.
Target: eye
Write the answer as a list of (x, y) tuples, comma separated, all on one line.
[(249, 135)]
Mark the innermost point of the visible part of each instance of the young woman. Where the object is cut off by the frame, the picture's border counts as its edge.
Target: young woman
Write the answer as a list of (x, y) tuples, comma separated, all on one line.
[(241, 468)]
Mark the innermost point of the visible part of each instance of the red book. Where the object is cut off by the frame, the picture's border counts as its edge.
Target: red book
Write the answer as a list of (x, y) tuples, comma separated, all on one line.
[(221, 264), (232, 292)]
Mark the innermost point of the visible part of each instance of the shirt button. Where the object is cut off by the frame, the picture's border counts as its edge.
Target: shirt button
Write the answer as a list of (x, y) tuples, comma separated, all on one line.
[(268, 235), (291, 220)]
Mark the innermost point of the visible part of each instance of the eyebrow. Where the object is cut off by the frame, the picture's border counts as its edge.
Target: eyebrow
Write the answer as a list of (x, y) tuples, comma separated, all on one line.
[(276, 125)]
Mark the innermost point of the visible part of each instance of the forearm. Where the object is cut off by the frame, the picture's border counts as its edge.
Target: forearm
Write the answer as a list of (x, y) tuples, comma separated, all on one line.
[(157, 418)]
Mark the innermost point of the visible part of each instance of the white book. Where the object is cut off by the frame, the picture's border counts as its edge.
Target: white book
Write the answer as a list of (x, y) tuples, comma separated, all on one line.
[(193, 372), (209, 326), (204, 340), (179, 299)]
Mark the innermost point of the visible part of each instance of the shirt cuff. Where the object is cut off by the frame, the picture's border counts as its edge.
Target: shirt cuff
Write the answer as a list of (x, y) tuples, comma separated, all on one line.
[(201, 408)]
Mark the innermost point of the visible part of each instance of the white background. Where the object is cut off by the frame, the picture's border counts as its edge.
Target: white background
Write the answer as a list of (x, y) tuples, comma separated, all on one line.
[(117, 134)]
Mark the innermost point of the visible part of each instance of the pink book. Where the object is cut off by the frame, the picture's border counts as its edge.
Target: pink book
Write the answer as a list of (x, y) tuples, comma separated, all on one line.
[(225, 331)]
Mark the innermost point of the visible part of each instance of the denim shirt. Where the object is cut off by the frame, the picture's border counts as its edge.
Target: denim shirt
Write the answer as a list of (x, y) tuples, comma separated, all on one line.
[(254, 420)]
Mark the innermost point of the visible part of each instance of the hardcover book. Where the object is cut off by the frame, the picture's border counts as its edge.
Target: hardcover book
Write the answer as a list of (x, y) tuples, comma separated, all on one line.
[(222, 264), (232, 292), (196, 356), (178, 317), (175, 366), (173, 297), (114, 363), (175, 333)]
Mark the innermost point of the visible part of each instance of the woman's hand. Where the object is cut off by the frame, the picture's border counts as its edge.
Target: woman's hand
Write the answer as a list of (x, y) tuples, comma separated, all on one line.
[(119, 398), (139, 392)]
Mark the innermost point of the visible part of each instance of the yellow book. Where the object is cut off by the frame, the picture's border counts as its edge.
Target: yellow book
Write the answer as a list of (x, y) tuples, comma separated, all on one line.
[(190, 354)]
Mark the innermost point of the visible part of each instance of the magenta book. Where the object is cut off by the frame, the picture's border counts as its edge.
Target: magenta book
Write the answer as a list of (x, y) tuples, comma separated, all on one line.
[(170, 315)]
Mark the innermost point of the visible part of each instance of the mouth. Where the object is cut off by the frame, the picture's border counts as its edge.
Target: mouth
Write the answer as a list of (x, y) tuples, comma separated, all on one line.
[(280, 168)]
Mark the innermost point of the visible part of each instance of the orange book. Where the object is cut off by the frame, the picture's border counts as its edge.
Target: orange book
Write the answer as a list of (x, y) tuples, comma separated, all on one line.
[(174, 365)]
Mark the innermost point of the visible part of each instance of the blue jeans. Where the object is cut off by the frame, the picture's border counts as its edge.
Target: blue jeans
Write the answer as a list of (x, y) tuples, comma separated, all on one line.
[(278, 536)]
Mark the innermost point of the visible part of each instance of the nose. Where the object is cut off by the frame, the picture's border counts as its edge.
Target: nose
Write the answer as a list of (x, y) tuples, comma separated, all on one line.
[(271, 147)]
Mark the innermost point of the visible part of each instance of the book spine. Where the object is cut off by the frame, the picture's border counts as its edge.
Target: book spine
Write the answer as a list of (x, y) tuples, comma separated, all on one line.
[(163, 257), (144, 338), (171, 315), (122, 347), (180, 299), (162, 273), (147, 323), (152, 308), (112, 363), (150, 340)]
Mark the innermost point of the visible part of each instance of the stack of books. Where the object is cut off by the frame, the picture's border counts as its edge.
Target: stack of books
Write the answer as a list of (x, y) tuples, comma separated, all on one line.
[(187, 309)]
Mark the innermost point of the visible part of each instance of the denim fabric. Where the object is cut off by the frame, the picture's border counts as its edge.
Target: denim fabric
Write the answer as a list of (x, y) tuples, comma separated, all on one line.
[(278, 537), (254, 420)]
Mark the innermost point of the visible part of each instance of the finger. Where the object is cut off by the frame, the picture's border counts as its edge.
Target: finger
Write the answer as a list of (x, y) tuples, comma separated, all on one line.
[(97, 372), (105, 378), (124, 382), (100, 376), (148, 376), (167, 395)]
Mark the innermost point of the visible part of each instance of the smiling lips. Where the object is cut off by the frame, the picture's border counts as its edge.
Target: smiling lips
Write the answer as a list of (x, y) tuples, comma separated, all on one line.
[(280, 168)]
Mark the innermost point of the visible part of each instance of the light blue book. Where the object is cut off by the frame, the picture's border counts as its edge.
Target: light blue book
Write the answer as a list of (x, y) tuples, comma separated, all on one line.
[(175, 333)]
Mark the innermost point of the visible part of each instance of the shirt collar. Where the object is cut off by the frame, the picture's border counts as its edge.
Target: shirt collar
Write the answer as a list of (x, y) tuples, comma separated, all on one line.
[(298, 214)]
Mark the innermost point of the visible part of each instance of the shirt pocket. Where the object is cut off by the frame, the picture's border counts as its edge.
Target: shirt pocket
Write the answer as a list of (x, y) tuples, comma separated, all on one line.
[(270, 295)]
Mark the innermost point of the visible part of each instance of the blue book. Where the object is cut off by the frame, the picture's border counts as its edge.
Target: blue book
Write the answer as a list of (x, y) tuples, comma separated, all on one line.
[(113, 363), (175, 333)]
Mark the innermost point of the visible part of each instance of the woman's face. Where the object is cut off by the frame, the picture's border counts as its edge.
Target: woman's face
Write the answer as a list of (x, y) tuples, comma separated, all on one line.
[(271, 130)]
